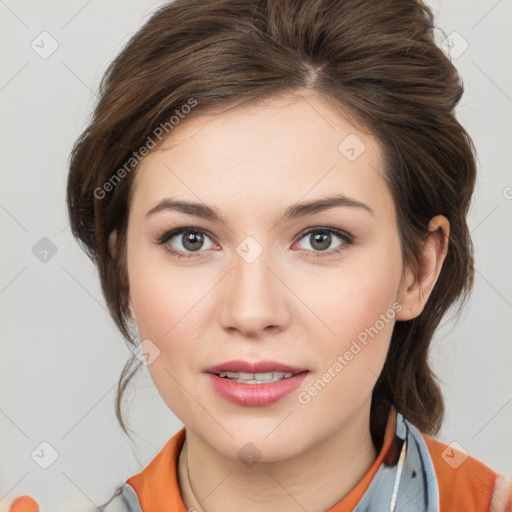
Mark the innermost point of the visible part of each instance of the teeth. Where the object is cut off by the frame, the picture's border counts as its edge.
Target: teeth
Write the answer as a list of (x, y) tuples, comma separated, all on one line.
[(255, 378)]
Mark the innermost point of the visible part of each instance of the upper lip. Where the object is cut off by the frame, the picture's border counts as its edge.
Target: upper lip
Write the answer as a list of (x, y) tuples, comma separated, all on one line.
[(254, 367)]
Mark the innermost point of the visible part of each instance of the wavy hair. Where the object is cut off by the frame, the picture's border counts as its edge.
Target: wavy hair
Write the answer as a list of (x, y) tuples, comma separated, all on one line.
[(374, 60)]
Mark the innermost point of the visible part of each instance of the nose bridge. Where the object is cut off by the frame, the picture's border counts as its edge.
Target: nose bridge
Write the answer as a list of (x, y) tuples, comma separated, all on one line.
[(254, 296)]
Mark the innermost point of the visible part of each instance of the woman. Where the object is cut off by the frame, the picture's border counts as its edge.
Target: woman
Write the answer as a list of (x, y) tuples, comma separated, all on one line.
[(275, 193)]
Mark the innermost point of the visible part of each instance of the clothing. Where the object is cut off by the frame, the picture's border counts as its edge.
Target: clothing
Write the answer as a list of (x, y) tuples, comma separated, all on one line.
[(413, 472)]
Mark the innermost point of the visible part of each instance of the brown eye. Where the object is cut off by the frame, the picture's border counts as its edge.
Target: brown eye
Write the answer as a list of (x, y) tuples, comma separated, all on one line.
[(320, 239), (193, 240), (183, 242)]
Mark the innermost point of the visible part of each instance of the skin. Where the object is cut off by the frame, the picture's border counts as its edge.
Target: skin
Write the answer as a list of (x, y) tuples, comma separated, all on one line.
[(250, 163)]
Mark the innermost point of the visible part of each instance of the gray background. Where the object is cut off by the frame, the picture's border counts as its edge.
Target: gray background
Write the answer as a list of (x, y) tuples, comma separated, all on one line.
[(61, 355)]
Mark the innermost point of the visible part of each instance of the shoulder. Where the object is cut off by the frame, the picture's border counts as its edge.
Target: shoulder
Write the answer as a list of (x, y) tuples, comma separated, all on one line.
[(465, 483)]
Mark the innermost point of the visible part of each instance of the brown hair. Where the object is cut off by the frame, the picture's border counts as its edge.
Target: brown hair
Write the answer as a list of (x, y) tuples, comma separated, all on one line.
[(376, 60)]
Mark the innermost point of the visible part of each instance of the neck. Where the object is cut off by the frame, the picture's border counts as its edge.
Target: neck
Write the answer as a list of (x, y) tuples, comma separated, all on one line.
[(313, 480)]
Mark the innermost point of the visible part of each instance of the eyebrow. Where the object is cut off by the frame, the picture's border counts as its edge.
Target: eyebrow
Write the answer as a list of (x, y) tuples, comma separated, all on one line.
[(292, 212)]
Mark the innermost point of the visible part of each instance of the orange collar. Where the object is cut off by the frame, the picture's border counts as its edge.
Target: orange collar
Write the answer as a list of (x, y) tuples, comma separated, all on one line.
[(157, 485)]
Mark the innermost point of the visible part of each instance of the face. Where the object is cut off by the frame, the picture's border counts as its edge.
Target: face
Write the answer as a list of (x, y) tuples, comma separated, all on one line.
[(317, 290)]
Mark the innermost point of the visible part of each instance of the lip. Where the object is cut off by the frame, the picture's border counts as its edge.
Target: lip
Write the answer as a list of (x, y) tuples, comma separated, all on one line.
[(254, 395), (264, 366)]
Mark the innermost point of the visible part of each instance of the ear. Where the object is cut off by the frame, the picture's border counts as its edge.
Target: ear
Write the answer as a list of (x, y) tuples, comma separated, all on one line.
[(416, 288)]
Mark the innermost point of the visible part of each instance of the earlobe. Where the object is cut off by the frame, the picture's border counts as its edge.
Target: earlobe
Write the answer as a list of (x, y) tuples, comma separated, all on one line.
[(417, 287), (404, 296), (130, 307), (112, 242)]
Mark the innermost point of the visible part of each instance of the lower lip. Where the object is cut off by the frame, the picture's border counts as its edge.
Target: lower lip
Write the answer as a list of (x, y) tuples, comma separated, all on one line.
[(254, 395)]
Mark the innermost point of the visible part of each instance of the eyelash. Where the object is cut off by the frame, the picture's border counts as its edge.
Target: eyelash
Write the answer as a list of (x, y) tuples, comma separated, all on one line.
[(347, 238)]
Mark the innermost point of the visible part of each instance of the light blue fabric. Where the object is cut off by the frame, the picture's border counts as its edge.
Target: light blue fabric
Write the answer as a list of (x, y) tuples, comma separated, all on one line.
[(125, 500), (417, 485), (415, 481)]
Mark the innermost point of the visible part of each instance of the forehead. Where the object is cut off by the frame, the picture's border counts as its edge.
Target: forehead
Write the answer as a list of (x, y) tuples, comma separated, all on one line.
[(265, 155)]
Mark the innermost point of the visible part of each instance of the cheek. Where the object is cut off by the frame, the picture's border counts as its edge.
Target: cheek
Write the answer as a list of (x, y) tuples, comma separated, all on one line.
[(163, 295), (166, 316), (358, 316), (355, 297), (350, 359), (170, 314)]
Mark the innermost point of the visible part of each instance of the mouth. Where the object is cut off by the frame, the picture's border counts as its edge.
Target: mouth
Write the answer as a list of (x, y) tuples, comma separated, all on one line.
[(257, 372), (255, 383), (256, 378)]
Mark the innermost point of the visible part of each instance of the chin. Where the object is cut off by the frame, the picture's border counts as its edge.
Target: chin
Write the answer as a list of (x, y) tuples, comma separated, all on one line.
[(260, 440)]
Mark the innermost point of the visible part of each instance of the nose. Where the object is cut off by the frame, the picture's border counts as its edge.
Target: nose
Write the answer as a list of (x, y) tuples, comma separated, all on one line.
[(255, 299)]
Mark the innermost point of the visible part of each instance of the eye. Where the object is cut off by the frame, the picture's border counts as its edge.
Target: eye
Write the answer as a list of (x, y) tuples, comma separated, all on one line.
[(193, 242), (320, 239)]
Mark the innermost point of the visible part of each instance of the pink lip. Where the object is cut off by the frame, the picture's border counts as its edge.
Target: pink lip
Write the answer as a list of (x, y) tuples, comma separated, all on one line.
[(255, 367), (253, 395)]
